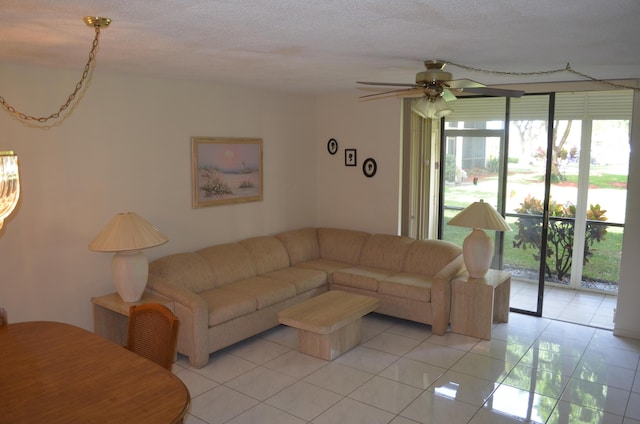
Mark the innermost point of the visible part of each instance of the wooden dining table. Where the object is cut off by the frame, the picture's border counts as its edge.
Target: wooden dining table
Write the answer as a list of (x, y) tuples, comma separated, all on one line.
[(52, 372)]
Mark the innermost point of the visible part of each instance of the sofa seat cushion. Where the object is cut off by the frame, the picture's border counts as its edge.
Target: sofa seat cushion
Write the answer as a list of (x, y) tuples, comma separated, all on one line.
[(328, 266), (266, 291), (303, 279), (407, 286), (225, 305), (365, 278)]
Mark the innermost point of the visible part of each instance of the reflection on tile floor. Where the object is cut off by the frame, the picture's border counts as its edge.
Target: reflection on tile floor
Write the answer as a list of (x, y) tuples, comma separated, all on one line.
[(580, 307), (534, 370)]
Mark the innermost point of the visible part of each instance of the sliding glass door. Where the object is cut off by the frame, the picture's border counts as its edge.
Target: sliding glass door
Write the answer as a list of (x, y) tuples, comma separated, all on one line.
[(528, 185), (555, 165)]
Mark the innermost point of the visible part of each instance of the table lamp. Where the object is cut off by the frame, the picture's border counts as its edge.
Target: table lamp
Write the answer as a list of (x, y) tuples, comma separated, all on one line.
[(126, 234), (477, 248)]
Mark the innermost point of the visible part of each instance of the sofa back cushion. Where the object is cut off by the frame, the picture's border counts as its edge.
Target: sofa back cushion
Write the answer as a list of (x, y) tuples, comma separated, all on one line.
[(434, 258), (229, 262), (302, 245), (341, 245), (188, 270), (268, 253), (385, 251)]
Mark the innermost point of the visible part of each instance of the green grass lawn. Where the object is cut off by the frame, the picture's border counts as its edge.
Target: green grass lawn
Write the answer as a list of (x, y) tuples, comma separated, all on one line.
[(615, 181)]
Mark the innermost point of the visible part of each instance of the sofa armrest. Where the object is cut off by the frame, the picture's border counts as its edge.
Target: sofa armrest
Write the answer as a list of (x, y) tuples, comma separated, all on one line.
[(193, 313), (441, 304), (178, 294), (453, 269)]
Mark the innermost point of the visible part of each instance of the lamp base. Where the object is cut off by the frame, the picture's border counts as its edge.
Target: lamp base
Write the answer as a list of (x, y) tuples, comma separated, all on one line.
[(130, 271), (477, 251)]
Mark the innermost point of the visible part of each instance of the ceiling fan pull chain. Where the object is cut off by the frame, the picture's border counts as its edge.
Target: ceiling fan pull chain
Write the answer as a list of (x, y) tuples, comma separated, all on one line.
[(96, 22)]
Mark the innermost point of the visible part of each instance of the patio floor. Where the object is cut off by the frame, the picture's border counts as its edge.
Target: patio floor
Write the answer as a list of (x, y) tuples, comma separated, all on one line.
[(580, 307)]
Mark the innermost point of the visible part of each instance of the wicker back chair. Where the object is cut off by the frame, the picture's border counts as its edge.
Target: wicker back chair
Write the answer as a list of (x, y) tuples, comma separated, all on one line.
[(153, 333)]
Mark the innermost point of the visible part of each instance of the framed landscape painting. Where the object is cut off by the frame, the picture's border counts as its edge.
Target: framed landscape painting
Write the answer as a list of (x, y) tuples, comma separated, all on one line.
[(226, 170)]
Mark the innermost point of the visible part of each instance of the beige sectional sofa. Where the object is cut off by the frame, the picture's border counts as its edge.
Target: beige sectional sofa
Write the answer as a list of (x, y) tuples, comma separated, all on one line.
[(228, 292)]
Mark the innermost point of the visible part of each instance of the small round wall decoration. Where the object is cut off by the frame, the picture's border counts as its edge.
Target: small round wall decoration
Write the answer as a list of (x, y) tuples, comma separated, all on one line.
[(332, 146), (369, 167)]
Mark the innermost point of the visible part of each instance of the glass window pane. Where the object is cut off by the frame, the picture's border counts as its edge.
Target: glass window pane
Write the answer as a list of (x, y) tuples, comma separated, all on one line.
[(474, 134), (607, 195)]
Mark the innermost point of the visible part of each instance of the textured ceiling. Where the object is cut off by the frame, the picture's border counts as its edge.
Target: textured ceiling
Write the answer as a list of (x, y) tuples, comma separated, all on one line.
[(323, 46)]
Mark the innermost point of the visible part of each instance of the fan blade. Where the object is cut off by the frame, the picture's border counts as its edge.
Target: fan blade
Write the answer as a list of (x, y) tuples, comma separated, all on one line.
[(411, 92), (390, 84), (489, 91), (396, 93), (448, 96), (463, 83)]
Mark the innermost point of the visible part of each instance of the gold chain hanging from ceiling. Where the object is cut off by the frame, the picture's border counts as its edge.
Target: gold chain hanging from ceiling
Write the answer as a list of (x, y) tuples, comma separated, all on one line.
[(97, 23)]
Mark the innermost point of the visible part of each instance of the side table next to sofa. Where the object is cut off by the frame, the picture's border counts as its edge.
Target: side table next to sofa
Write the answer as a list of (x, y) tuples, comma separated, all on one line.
[(476, 303), (111, 314)]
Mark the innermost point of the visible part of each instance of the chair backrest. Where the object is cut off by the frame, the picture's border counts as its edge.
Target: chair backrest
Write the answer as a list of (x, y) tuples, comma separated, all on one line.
[(153, 333)]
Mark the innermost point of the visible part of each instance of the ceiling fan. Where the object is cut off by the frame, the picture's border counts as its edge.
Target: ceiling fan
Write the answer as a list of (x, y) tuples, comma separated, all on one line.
[(436, 87)]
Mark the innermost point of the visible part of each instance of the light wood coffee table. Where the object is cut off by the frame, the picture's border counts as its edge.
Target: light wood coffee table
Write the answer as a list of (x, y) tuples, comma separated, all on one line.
[(330, 324)]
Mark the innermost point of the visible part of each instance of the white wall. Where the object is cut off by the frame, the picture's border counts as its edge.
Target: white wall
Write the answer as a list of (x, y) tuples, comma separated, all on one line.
[(346, 198), (126, 146)]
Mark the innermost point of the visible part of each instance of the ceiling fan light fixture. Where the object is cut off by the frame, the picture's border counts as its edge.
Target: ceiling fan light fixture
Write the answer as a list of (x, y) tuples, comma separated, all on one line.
[(431, 108), (421, 107), (442, 108)]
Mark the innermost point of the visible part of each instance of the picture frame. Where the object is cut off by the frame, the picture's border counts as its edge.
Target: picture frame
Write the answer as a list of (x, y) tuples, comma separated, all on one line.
[(226, 170), (350, 157), (369, 167), (332, 146)]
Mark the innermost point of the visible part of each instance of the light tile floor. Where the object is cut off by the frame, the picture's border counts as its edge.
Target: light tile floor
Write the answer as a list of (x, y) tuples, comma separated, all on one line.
[(534, 370)]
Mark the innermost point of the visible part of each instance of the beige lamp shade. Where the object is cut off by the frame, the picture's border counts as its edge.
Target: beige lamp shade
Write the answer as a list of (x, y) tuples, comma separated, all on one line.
[(480, 215), (477, 248), (127, 231), (126, 234)]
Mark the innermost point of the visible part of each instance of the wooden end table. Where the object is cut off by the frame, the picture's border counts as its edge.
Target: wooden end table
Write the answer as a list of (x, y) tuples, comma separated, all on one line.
[(476, 303), (330, 324), (111, 314)]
